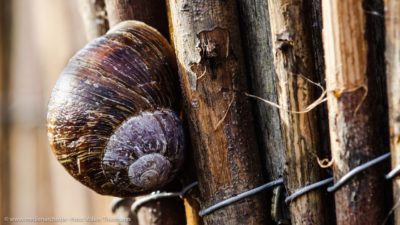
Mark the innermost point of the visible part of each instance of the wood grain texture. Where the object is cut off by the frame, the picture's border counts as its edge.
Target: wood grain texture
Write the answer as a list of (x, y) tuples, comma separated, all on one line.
[(353, 42), (151, 12), (94, 17), (313, 19), (392, 24), (208, 47), (293, 58), (256, 34)]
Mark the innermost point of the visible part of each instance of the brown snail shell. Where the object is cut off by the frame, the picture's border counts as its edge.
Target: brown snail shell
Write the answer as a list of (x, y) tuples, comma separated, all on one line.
[(112, 120)]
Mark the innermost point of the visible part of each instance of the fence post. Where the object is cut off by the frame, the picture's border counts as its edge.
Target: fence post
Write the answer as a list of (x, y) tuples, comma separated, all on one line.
[(353, 44)]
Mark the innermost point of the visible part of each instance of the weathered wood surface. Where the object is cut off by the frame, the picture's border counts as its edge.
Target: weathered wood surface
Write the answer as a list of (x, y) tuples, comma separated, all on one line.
[(313, 19), (94, 17), (294, 67), (353, 43), (152, 12), (208, 46), (257, 46), (392, 22)]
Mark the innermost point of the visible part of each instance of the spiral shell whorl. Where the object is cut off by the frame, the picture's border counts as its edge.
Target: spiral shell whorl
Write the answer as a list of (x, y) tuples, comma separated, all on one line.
[(147, 150), (124, 77), (149, 171)]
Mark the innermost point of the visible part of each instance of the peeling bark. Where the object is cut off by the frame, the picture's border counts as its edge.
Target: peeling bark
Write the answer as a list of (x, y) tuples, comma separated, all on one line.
[(354, 74), (208, 47), (392, 20), (294, 67)]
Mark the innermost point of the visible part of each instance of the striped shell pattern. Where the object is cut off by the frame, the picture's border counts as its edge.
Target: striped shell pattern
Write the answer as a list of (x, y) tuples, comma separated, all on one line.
[(112, 117)]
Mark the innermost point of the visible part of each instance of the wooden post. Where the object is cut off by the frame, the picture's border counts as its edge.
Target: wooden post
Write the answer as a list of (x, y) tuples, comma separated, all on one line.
[(353, 43), (94, 17), (208, 47), (162, 212), (256, 36), (256, 32), (152, 12), (5, 50), (392, 20), (294, 68)]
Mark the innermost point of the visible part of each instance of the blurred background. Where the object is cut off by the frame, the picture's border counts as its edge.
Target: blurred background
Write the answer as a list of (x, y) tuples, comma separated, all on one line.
[(37, 39)]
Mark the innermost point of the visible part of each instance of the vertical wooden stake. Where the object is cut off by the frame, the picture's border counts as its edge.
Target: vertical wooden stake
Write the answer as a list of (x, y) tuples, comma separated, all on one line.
[(354, 70), (294, 67), (208, 47), (94, 17), (256, 35), (256, 31), (152, 12), (392, 20)]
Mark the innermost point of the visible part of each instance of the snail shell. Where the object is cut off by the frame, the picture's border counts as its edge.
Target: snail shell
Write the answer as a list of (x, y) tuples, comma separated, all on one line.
[(112, 120)]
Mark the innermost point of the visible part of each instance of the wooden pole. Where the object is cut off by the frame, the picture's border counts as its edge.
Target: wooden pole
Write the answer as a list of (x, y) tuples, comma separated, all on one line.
[(162, 212), (5, 50), (208, 47), (294, 67), (152, 12), (256, 31), (353, 43), (256, 36), (392, 21), (94, 17)]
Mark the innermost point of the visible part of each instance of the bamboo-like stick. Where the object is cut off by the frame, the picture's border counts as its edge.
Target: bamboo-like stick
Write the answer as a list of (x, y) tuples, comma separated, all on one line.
[(208, 47), (392, 22), (94, 17), (256, 34), (152, 12), (294, 68), (353, 39)]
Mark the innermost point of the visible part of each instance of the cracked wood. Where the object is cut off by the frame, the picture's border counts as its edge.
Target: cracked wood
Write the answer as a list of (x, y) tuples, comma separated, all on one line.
[(294, 68), (208, 47), (354, 73)]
